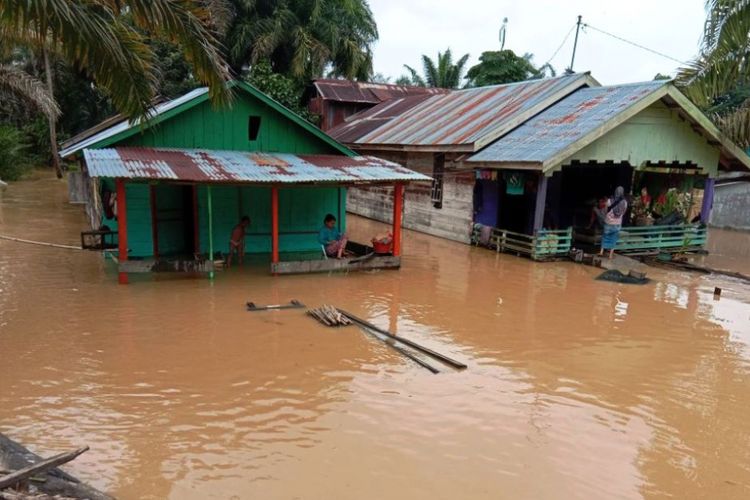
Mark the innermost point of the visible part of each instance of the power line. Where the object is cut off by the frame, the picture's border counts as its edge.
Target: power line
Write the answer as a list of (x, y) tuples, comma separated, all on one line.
[(586, 25), (561, 45)]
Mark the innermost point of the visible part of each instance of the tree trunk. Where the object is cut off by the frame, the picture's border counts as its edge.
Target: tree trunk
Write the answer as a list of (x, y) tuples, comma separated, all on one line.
[(52, 122)]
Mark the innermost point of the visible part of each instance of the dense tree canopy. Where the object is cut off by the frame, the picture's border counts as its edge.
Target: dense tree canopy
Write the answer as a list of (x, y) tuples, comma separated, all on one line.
[(304, 39), (504, 66)]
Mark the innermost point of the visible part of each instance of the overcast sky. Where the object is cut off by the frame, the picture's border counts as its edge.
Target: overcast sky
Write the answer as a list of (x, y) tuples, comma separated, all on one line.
[(409, 28)]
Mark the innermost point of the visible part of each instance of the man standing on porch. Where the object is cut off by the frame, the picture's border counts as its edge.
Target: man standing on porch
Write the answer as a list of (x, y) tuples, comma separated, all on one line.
[(616, 207), (237, 240)]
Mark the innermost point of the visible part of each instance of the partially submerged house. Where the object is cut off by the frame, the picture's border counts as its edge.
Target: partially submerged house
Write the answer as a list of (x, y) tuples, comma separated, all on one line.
[(529, 160), (334, 100), (170, 190)]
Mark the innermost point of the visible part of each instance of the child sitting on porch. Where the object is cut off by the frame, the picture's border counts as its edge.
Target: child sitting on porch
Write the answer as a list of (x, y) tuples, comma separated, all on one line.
[(331, 238), (237, 240)]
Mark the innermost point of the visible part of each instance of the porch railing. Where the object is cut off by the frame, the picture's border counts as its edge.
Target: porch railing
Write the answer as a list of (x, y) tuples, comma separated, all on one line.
[(544, 245), (676, 238)]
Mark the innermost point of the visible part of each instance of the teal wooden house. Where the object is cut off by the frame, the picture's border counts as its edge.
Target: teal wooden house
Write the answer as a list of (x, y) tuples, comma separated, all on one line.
[(171, 189)]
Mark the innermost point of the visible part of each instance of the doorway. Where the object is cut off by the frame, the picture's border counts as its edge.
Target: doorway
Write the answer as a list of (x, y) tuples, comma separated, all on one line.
[(173, 212)]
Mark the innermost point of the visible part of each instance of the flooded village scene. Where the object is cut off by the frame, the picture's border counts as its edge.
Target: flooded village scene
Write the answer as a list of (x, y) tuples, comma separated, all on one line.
[(354, 249)]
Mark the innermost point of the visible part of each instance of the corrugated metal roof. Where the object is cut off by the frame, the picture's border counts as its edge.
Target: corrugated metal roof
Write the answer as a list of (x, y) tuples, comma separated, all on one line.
[(562, 124), (367, 92), (124, 125), (469, 117), (208, 166)]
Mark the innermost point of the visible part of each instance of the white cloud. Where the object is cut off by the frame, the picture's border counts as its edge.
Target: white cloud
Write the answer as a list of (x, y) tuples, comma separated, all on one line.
[(410, 28)]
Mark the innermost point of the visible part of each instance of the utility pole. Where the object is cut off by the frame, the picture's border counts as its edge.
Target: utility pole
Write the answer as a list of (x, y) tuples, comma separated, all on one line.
[(575, 46)]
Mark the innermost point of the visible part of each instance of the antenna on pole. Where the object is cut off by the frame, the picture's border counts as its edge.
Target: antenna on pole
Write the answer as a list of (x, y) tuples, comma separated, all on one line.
[(501, 36), (575, 46)]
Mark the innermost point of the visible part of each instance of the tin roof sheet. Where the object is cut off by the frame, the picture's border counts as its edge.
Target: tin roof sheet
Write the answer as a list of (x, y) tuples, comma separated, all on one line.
[(367, 92), (461, 117), (209, 166), (564, 123), (122, 125)]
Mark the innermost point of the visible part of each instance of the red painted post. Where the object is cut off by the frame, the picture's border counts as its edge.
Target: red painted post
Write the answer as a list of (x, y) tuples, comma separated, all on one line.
[(274, 224), (122, 228), (398, 204)]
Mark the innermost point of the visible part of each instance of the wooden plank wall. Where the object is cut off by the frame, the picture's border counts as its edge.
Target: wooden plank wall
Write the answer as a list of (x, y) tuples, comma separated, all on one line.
[(453, 221)]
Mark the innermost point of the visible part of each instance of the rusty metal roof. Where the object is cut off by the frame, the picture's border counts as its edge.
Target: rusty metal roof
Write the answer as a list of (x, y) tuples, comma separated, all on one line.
[(564, 123), (210, 166), (367, 92), (464, 120)]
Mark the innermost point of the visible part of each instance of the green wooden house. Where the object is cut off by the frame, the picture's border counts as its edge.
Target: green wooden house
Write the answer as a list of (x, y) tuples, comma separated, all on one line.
[(172, 188)]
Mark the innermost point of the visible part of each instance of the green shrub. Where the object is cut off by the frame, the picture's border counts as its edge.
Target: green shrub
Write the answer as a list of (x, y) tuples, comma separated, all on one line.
[(13, 153)]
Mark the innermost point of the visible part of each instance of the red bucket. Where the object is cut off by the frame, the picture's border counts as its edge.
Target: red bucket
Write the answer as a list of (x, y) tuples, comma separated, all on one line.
[(382, 248)]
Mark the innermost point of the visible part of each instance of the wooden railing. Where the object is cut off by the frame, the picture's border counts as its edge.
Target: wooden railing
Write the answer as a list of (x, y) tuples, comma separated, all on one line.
[(545, 244), (676, 238)]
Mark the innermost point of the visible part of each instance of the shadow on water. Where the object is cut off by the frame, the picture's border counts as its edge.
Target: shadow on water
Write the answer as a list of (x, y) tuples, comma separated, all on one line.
[(575, 387)]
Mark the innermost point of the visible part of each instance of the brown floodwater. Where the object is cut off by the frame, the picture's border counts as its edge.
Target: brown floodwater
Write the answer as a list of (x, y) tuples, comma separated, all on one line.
[(575, 388)]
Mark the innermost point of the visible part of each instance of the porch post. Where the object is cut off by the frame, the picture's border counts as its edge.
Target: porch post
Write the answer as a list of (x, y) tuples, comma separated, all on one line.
[(708, 200), (398, 204), (209, 203), (541, 198), (274, 224), (122, 229), (154, 221)]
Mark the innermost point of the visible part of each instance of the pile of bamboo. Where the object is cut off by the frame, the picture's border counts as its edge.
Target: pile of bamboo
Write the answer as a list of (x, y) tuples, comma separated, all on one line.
[(329, 316)]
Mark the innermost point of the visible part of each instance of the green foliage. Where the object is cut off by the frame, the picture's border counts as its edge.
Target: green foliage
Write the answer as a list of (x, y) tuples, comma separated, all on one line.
[(440, 73), (13, 159), (720, 73), (175, 75), (303, 38), (283, 89), (503, 66)]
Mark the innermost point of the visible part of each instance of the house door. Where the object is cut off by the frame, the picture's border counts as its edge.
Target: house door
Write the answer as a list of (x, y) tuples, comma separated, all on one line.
[(174, 220)]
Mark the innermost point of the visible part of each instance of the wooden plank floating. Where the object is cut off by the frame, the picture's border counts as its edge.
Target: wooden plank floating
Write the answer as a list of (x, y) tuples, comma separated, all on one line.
[(329, 316), (294, 304), (324, 266), (50, 463), (410, 343)]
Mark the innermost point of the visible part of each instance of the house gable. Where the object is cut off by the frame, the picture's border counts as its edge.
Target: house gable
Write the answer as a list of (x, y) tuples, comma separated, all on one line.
[(657, 133)]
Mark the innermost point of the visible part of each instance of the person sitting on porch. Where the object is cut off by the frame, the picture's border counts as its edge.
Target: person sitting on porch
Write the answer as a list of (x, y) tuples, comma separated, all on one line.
[(616, 207), (237, 241), (331, 238)]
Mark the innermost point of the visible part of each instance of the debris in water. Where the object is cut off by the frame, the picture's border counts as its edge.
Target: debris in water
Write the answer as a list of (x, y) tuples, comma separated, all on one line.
[(618, 277)]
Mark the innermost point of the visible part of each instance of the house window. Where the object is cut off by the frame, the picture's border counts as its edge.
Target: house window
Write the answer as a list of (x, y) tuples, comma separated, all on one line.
[(438, 169), (253, 127)]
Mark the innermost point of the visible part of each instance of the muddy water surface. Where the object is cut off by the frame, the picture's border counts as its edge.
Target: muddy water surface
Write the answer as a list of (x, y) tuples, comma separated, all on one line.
[(575, 388)]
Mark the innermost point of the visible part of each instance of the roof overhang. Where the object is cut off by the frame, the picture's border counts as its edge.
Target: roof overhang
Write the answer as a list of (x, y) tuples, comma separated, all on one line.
[(199, 166)]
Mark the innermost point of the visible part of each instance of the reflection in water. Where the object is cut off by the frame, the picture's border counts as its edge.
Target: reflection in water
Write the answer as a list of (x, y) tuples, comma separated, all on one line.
[(576, 388)]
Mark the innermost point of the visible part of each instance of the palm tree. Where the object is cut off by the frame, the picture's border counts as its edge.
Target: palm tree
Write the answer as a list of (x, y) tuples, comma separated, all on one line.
[(17, 84), (723, 66), (442, 73), (302, 38), (107, 39)]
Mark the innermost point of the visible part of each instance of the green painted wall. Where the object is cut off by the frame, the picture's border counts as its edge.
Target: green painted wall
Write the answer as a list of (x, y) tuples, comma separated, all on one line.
[(301, 213), (655, 134), (204, 126), (301, 210)]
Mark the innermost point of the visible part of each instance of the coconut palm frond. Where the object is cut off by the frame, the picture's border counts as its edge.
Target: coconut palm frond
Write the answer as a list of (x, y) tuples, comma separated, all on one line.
[(191, 25), (414, 76), (21, 85), (736, 125)]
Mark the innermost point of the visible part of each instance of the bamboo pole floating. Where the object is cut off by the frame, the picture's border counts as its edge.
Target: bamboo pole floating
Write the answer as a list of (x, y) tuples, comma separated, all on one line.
[(410, 343), (392, 344), (40, 243)]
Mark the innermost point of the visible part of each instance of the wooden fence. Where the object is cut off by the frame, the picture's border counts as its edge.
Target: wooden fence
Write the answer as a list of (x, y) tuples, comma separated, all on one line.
[(544, 245), (675, 238)]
